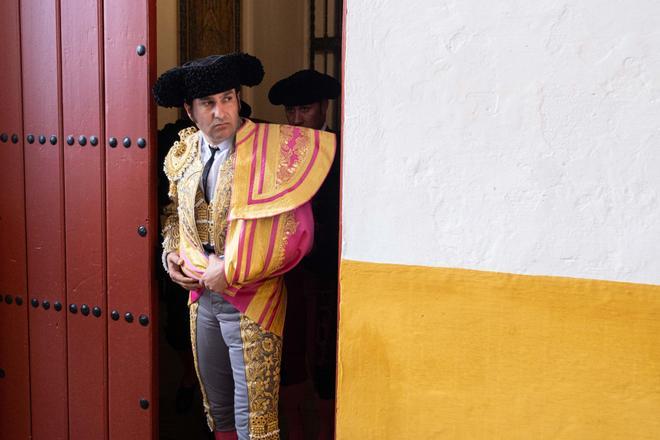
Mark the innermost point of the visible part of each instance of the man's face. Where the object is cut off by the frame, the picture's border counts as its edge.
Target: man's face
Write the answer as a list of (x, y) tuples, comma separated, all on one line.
[(216, 115), (310, 115)]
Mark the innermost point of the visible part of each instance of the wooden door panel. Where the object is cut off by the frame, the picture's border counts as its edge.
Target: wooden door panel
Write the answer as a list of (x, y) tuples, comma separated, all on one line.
[(14, 349), (131, 223), (78, 225), (45, 218), (84, 182)]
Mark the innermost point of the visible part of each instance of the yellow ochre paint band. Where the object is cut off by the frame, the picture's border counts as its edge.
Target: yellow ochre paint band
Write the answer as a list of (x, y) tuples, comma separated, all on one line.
[(435, 353)]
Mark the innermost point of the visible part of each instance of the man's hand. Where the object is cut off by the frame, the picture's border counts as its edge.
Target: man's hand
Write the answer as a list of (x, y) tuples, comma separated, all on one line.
[(174, 263), (214, 277)]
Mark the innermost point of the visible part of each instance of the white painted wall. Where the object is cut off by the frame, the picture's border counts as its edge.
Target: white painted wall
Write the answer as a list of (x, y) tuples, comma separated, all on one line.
[(514, 136)]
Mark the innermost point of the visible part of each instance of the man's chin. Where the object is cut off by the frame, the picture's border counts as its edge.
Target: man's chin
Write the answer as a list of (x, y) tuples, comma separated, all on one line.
[(221, 134)]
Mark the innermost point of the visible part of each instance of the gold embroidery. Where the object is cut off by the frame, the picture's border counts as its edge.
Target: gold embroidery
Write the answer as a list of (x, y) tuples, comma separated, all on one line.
[(193, 339), (211, 218), (200, 223), (292, 151), (202, 218), (289, 228), (219, 209), (262, 353), (177, 161), (170, 228), (180, 156), (188, 187)]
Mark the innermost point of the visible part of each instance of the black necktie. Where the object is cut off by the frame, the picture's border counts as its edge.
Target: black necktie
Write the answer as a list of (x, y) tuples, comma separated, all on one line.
[(205, 173)]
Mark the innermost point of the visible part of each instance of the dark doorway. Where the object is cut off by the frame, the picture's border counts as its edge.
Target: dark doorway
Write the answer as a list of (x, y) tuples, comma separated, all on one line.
[(286, 36)]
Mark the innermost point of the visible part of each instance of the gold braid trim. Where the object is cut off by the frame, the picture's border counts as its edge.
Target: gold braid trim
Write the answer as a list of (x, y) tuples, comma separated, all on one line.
[(193, 339), (219, 208), (180, 156), (202, 218), (170, 228), (289, 229), (262, 354), (211, 218)]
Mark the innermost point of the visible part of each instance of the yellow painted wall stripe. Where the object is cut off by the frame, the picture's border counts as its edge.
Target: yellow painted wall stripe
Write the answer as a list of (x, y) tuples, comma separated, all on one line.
[(432, 353)]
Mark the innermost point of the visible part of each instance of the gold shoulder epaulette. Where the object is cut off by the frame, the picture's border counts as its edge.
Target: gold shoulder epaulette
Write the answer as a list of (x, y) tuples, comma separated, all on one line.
[(181, 154)]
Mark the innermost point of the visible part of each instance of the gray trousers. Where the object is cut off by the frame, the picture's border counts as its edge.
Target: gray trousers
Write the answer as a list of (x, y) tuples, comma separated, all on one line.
[(221, 363)]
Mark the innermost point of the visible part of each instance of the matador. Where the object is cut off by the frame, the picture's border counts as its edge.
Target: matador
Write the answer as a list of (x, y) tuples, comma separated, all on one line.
[(239, 218)]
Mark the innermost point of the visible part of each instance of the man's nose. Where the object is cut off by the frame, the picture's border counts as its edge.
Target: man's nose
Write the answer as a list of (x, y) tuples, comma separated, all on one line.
[(219, 113), (297, 117)]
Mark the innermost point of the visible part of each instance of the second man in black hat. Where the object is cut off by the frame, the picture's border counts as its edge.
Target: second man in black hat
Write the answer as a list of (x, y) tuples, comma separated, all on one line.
[(313, 284)]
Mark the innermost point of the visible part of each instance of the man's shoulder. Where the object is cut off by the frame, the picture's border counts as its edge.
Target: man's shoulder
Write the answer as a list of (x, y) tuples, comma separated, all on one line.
[(285, 128), (278, 168), (303, 137), (181, 154), (285, 146), (283, 139)]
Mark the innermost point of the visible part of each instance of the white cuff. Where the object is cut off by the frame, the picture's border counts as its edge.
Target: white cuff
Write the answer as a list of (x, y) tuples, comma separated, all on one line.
[(163, 258)]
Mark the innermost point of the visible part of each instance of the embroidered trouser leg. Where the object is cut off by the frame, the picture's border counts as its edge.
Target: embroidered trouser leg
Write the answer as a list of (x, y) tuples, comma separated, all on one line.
[(221, 365), (239, 368)]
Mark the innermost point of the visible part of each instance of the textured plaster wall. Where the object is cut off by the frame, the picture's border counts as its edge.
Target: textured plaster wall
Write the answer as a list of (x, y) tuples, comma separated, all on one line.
[(510, 136)]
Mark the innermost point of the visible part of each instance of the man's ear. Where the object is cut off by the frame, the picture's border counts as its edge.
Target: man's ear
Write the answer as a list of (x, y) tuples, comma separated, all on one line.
[(324, 107), (188, 109)]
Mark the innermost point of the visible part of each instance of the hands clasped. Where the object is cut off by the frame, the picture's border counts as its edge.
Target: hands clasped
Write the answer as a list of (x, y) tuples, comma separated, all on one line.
[(213, 278)]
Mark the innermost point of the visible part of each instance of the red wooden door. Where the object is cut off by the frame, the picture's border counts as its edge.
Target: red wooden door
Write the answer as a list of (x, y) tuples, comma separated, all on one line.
[(44, 198), (131, 221), (77, 220), (84, 183), (14, 365)]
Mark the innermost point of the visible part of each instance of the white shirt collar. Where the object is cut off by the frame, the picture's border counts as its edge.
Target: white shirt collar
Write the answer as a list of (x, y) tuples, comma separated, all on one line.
[(206, 146)]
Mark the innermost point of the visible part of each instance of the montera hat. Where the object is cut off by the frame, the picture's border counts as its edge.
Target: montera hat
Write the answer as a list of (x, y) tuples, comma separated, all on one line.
[(207, 76), (304, 87)]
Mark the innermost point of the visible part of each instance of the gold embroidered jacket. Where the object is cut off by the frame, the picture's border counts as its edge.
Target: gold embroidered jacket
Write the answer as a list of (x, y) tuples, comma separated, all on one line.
[(259, 215)]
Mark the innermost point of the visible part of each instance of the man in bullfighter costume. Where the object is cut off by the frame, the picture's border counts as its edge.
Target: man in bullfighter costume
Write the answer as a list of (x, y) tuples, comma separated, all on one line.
[(240, 218), (305, 97)]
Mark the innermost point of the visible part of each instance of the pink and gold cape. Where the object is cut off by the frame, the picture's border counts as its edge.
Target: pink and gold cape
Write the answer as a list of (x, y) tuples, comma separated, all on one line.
[(277, 169)]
